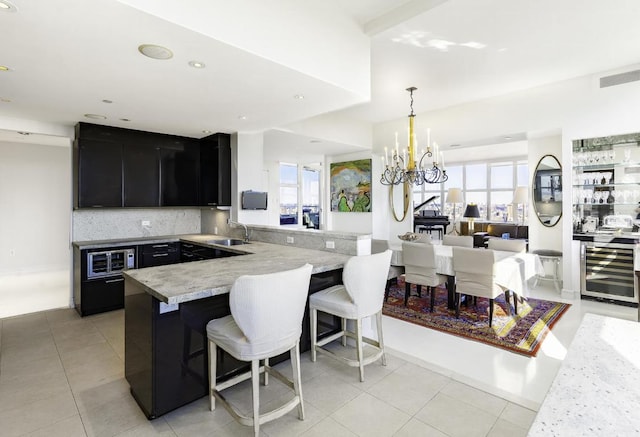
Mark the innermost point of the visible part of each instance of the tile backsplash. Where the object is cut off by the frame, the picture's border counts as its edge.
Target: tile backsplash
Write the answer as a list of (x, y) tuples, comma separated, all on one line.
[(107, 224)]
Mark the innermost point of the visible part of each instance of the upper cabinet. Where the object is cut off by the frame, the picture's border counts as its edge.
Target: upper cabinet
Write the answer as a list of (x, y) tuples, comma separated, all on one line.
[(215, 170), (115, 167)]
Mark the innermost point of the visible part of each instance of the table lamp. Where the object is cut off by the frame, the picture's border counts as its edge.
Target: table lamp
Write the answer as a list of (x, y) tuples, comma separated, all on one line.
[(520, 196), (454, 196), (471, 212)]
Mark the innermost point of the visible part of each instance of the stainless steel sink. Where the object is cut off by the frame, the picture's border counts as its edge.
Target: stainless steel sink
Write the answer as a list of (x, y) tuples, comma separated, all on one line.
[(227, 242)]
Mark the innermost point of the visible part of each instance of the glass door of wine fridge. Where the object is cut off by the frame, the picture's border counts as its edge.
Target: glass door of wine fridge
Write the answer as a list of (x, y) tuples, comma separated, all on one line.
[(607, 271)]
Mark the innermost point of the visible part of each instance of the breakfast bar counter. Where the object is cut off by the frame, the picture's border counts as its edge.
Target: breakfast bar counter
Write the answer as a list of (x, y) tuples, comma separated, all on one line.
[(167, 309)]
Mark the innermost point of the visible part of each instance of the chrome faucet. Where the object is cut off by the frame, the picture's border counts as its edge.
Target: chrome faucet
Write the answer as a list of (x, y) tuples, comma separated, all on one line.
[(246, 230)]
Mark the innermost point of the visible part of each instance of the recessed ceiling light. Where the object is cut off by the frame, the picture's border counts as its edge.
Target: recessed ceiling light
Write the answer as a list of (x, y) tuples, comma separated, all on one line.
[(155, 52), (24, 133), (197, 64), (5, 100), (95, 116), (125, 119), (107, 101), (315, 141), (299, 97), (206, 132), (454, 145), (6, 6), (4, 68), (242, 117), (507, 138)]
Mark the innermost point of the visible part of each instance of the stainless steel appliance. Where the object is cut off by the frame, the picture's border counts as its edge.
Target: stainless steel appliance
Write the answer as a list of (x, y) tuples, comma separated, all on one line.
[(110, 262), (98, 282), (607, 271)]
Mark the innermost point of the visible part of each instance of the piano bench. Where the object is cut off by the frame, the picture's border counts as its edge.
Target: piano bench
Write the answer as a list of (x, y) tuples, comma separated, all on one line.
[(430, 228)]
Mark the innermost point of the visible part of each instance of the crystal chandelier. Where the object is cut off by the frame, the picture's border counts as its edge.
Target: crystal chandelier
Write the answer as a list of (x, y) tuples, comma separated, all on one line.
[(406, 168)]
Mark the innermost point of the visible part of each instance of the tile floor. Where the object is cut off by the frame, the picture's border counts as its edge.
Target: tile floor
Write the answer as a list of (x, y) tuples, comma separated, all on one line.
[(63, 375)]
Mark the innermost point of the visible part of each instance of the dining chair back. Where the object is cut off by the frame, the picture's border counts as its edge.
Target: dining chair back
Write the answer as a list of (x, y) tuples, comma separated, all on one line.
[(458, 240), (507, 245), (420, 269), (475, 275)]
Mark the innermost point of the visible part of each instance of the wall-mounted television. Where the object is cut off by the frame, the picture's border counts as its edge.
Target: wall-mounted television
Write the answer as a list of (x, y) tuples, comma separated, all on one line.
[(254, 200)]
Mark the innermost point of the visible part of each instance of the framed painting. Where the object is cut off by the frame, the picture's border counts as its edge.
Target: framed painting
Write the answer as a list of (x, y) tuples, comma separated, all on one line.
[(350, 186)]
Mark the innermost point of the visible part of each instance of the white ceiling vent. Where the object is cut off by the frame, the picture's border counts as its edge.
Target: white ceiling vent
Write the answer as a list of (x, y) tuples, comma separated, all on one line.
[(619, 79)]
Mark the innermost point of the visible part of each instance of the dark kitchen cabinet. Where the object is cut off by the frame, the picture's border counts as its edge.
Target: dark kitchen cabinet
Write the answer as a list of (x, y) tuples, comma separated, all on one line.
[(158, 254), (116, 167), (215, 170), (98, 173), (179, 172), (141, 170), (100, 295)]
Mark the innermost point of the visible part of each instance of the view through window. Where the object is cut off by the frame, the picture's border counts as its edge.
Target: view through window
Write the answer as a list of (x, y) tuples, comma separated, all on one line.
[(299, 202), (490, 185)]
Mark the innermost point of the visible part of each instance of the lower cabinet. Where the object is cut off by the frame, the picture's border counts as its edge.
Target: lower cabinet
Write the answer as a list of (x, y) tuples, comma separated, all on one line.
[(100, 295)]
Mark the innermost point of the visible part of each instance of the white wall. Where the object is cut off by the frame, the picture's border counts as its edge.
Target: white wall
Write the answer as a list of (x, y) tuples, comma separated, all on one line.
[(249, 173), (35, 205)]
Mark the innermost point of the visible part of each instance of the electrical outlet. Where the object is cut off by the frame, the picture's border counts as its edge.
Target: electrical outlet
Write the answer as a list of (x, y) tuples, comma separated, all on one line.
[(290, 240), (12, 252), (330, 244), (215, 230), (146, 223)]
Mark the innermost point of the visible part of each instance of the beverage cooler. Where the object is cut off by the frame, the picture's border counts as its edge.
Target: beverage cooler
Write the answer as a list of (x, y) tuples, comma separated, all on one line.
[(608, 271)]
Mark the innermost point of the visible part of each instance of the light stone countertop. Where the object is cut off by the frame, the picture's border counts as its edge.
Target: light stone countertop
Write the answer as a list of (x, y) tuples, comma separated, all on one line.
[(597, 389), (98, 244), (177, 283)]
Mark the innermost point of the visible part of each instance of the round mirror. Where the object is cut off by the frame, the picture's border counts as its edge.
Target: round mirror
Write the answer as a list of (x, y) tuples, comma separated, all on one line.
[(547, 190)]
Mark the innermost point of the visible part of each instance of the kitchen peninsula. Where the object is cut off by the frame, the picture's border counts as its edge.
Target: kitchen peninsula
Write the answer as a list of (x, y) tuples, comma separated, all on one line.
[(168, 307)]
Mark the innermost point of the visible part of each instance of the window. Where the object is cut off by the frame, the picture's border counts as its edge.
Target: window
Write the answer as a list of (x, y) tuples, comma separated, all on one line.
[(288, 194), (299, 202), (490, 185)]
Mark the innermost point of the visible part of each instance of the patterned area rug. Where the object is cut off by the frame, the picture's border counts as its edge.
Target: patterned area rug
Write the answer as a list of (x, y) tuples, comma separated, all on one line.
[(522, 334)]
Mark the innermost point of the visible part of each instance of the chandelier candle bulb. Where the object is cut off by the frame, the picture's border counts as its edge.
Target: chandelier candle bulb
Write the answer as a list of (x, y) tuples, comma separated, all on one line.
[(442, 159), (428, 139)]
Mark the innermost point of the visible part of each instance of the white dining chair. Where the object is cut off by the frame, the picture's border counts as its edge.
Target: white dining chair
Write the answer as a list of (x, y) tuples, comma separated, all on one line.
[(458, 240), (507, 245), (420, 269), (360, 296), (475, 276), (265, 321), (517, 246)]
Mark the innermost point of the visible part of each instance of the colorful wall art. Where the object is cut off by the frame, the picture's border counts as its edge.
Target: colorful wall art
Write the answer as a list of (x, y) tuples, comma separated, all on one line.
[(351, 186)]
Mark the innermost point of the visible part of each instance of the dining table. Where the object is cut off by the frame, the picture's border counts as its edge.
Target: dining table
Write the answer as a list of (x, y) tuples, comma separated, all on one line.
[(513, 269)]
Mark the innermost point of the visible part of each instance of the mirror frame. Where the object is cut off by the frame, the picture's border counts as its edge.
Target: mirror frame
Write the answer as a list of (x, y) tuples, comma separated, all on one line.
[(536, 194)]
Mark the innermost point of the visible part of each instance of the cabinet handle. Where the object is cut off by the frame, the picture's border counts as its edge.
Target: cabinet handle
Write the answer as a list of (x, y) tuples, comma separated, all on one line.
[(189, 246), (160, 245), (111, 281), (156, 255), (212, 204)]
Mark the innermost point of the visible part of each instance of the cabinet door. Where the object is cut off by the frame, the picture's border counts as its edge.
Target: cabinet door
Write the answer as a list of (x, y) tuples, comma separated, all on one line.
[(99, 173), (141, 175), (179, 171), (215, 170), (102, 295)]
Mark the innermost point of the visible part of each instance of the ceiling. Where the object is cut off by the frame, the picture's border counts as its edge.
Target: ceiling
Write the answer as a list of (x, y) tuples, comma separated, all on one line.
[(67, 58)]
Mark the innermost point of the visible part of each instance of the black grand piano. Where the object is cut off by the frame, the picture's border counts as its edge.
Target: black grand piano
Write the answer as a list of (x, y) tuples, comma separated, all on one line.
[(429, 218)]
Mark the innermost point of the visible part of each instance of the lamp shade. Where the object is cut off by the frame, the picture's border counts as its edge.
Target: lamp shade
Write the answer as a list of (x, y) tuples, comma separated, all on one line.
[(521, 195), (454, 195), (472, 211)]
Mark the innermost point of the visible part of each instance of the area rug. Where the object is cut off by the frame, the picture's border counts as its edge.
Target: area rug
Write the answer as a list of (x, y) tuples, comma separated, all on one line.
[(522, 333)]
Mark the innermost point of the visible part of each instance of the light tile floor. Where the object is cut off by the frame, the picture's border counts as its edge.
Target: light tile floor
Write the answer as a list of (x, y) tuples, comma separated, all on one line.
[(63, 375)]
